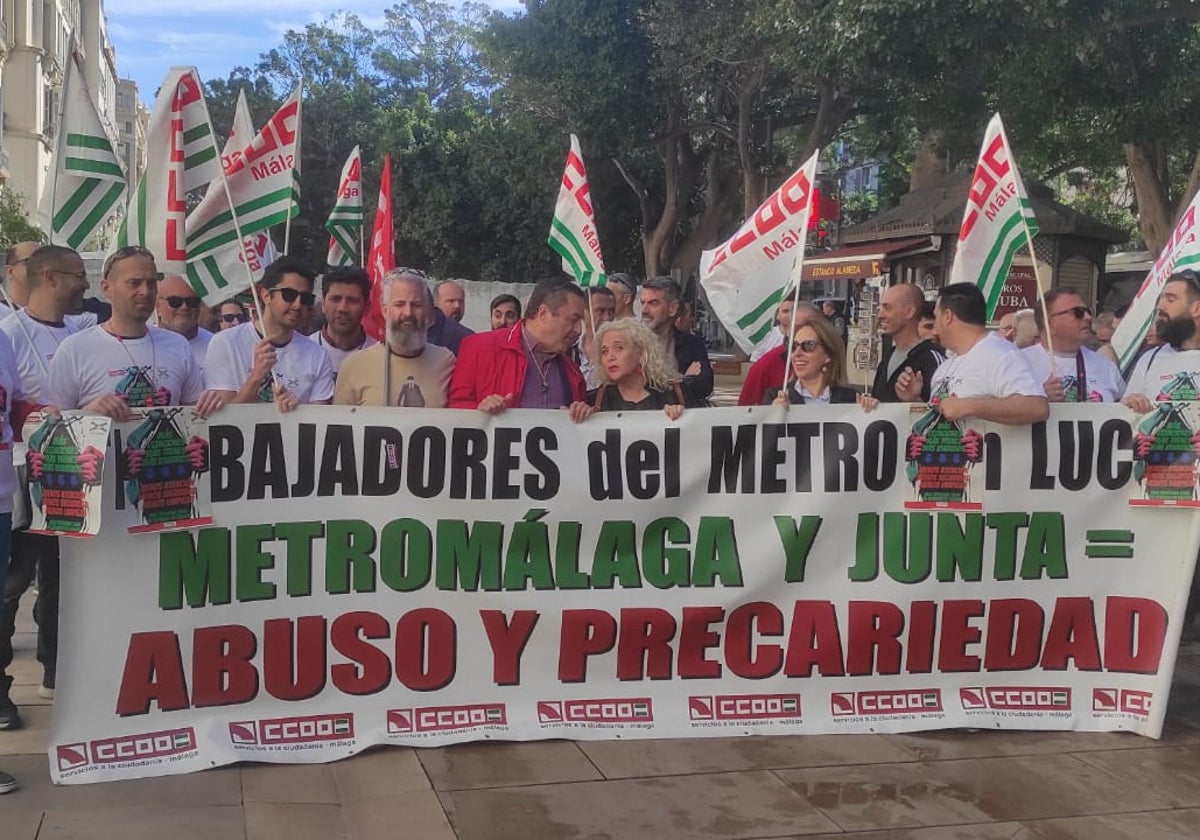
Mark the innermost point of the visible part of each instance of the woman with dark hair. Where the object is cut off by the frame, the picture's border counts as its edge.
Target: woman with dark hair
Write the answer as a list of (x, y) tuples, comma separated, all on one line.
[(817, 373)]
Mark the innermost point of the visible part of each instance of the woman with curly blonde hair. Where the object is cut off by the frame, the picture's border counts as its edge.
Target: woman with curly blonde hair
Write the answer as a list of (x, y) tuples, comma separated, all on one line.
[(633, 372)]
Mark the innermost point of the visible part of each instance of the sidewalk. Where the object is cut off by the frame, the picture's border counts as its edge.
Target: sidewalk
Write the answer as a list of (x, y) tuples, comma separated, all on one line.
[(943, 786)]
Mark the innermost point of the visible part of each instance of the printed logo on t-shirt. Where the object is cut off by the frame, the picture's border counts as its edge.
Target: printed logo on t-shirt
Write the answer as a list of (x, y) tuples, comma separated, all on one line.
[(410, 394), (137, 389), (266, 393), (1181, 387), (1070, 386)]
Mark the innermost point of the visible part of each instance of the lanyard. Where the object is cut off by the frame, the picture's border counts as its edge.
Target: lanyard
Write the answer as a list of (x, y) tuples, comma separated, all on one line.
[(1081, 391)]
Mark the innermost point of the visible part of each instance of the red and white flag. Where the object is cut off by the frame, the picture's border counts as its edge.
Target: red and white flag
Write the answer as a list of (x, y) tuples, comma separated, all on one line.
[(382, 256)]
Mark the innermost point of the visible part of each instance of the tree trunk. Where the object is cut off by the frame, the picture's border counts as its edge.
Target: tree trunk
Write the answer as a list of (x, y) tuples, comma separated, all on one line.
[(752, 184), (719, 195), (1190, 189), (833, 109), (1154, 208), (929, 163)]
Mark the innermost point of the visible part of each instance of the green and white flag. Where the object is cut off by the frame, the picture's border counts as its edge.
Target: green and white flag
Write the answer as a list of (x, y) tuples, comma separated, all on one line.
[(345, 222), (261, 185), (87, 183), (573, 229), (745, 277), (1181, 252), (997, 221), (218, 276), (183, 156)]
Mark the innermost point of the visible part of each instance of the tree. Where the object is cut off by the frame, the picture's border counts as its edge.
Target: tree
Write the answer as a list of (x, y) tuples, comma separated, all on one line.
[(14, 224)]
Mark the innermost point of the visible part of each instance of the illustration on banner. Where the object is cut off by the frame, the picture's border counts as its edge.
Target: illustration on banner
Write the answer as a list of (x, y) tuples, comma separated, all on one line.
[(165, 467), (1165, 447), (65, 465), (939, 455)]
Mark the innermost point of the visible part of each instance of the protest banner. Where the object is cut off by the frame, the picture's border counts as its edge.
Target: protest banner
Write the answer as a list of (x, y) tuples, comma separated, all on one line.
[(745, 278), (427, 577)]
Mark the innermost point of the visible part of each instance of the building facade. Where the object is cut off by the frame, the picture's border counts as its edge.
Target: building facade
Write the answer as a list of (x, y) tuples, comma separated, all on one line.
[(36, 37)]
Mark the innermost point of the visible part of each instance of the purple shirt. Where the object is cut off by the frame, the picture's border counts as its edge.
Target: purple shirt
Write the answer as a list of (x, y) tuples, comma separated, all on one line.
[(545, 380)]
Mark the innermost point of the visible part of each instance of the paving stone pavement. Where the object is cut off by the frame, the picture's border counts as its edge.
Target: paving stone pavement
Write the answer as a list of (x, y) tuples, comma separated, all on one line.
[(933, 786)]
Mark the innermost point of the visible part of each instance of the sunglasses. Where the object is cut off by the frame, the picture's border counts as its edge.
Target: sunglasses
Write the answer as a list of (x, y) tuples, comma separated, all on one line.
[(176, 301), (806, 346), (124, 254), (1077, 311), (232, 318), (291, 295)]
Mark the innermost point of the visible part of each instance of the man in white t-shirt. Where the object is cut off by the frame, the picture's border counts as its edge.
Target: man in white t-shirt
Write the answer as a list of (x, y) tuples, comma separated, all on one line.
[(179, 312), (281, 364), (124, 362), (1171, 371), (985, 376), (344, 296), (1069, 327)]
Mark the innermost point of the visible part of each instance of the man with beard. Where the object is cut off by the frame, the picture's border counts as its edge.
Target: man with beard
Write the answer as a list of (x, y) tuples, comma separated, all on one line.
[(345, 292), (1171, 371), (279, 364), (660, 298), (179, 311), (405, 370), (1075, 373)]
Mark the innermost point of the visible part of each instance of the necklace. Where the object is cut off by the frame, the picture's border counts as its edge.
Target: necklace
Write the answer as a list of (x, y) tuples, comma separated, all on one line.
[(543, 372)]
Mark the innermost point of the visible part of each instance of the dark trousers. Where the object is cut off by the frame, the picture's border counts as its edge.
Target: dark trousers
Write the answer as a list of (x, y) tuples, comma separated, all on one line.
[(33, 556)]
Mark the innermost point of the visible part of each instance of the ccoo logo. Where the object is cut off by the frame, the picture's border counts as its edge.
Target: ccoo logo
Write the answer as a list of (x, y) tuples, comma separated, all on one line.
[(894, 702), (743, 706)]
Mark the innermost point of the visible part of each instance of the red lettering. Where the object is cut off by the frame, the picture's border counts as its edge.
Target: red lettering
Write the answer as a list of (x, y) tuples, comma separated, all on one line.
[(508, 641), (294, 657), (426, 641), (153, 673), (874, 626), (922, 629), (1072, 635), (347, 636), (957, 634), (644, 647), (1014, 637), (744, 658), (584, 633), (695, 639), (1134, 632), (814, 640), (222, 672)]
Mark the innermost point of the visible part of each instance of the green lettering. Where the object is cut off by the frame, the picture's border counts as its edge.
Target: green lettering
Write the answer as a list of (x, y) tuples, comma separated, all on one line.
[(665, 566), (197, 567), (349, 543), (716, 553)]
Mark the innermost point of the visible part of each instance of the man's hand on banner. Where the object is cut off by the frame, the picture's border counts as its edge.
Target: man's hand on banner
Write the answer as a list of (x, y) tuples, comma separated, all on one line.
[(34, 461), (579, 411), (1138, 402), (972, 443), (1054, 389), (285, 399), (91, 464), (495, 403), (909, 384), (133, 461), (197, 452), (209, 403), (110, 405)]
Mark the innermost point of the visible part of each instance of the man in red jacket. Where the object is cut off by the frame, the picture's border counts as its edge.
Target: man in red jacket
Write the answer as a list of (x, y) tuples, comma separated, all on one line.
[(526, 366)]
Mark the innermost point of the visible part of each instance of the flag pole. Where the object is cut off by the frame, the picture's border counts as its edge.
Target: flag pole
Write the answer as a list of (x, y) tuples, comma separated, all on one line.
[(287, 229)]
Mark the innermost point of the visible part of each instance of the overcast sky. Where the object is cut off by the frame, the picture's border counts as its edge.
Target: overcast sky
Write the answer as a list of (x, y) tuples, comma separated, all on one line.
[(215, 35)]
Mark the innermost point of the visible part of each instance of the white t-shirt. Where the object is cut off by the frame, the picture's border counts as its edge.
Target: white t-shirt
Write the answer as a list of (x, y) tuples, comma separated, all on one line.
[(156, 369), (10, 392), (199, 344), (302, 365), (35, 343), (1165, 373), (1104, 382), (991, 368), (336, 354)]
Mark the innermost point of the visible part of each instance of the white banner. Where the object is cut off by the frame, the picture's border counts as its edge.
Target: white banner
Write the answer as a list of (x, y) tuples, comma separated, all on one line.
[(745, 278), (427, 577)]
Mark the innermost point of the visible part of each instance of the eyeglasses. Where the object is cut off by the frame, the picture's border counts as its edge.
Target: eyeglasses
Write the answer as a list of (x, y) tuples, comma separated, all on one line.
[(806, 346), (1077, 311), (232, 318), (16, 263), (78, 275), (124, 254), (290, 295), (176, 301)]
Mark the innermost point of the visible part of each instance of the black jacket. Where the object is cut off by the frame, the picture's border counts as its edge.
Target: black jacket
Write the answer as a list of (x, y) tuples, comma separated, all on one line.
[(838, 395), (924, 358), (689, 348)]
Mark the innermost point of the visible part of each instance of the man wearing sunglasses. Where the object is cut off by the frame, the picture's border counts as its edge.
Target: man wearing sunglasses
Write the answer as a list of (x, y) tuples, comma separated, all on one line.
[(278, 364), (1171, 371), (179, 312), (16, 272), (985, 377), (1075, 373)]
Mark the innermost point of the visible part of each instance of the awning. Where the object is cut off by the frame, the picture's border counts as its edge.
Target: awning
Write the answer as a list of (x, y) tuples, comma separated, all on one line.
[(857, 261)]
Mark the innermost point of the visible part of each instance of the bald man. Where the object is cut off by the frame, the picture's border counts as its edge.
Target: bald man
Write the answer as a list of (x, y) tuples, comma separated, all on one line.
[(179, 311), (448, 296), (900, 320), (16, 279)]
